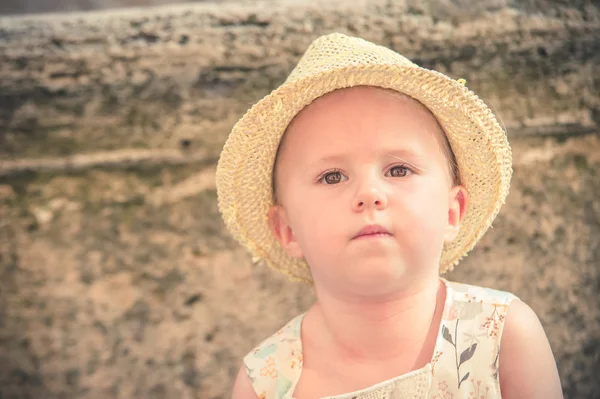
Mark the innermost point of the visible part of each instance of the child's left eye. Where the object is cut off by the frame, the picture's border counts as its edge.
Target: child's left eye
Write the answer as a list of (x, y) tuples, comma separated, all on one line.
[(399, 171)]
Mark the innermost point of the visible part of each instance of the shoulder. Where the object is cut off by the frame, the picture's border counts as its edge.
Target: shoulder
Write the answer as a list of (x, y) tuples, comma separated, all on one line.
[(526, 357), (242, 388)]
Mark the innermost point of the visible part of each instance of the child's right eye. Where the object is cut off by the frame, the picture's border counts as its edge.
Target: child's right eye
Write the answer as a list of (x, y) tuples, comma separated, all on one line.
[(332, 178)]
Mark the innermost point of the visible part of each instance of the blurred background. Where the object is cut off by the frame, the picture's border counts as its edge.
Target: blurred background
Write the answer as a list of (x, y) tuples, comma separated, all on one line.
[(43, 6), (117, 278)]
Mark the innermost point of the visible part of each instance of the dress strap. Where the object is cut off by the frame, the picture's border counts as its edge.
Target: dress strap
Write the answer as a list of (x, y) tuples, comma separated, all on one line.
[(274, 366), (466, 359)]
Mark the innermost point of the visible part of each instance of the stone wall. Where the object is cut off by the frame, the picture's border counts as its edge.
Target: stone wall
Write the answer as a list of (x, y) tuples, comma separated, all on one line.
[(17, 7), (117, 277)]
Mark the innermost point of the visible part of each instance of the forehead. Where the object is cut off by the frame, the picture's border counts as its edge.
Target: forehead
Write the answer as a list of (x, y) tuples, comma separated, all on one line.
[(362, 117)]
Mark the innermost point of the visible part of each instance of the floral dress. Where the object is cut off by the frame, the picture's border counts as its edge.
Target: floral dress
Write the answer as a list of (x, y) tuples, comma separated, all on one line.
[(464, 363)]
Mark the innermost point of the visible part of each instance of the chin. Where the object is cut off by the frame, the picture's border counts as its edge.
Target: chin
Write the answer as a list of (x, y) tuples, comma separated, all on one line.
[(378, 275)]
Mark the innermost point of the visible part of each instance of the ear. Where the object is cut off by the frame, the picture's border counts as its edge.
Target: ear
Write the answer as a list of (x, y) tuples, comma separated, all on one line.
[(282, 230), (458, 200)]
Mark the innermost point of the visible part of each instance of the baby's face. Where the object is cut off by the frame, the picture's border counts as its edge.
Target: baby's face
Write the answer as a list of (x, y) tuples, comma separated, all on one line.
[(363, 157)]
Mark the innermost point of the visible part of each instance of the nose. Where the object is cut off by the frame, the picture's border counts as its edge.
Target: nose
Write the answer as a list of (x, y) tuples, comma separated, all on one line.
[(370, 198)]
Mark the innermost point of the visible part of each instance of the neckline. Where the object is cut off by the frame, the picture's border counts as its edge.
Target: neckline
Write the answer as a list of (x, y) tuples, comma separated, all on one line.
[(298, 332)]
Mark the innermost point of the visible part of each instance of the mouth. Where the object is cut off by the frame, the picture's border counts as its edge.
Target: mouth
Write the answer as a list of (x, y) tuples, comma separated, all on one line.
[(372, 231)]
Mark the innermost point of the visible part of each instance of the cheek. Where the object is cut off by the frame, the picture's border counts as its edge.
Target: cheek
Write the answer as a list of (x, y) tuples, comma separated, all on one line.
[(302, 211), (426, 214), (317, 226)]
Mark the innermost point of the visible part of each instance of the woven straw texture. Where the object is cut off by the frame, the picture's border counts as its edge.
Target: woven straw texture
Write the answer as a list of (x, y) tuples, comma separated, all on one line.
[(336, 61)]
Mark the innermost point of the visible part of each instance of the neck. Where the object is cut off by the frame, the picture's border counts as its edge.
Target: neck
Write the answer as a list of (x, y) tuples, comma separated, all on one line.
[(380, 329)]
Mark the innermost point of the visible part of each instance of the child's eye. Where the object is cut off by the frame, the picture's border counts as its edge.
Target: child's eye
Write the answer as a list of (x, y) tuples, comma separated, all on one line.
[(399, 171), (332, 177)]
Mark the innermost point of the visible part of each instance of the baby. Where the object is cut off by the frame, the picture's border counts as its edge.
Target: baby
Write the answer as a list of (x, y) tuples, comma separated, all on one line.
[(368, 177)]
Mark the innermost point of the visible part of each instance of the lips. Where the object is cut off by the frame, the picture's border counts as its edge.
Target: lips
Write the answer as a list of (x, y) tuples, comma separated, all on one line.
[(372, 231)]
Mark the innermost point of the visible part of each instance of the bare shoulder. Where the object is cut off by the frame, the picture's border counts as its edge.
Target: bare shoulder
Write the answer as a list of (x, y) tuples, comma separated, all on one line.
[(242, 389), (526, 358)]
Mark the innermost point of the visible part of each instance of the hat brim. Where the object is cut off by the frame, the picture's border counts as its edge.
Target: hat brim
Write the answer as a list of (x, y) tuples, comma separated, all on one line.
[(245, 167)]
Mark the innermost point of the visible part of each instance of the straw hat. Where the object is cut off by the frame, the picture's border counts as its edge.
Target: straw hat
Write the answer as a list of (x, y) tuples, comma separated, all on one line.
[(336, 61)]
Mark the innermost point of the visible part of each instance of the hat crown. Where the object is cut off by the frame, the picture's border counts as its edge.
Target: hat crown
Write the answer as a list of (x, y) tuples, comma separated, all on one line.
[(337, 50)]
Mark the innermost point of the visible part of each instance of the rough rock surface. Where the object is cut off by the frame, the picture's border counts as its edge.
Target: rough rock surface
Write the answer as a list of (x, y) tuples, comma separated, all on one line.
[(123, 284), (16, 7), (180, 76), (117, 279)]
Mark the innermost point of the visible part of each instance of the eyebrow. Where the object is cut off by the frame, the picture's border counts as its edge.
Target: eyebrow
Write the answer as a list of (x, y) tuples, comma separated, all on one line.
[(327, 159), (405, 155)]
